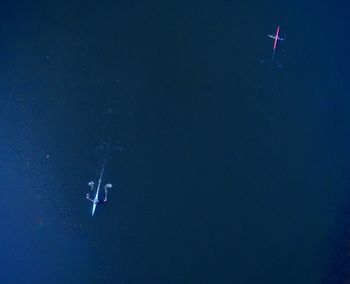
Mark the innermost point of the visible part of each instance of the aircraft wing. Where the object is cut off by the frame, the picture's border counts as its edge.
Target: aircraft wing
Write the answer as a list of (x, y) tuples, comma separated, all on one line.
[(88, 198)]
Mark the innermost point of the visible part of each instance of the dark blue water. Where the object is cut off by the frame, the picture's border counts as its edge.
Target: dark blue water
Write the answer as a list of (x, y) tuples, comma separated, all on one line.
[(227, 166)]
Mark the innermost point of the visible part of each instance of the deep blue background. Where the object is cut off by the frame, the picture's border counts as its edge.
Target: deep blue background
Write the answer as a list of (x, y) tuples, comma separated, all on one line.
[(227, 167)]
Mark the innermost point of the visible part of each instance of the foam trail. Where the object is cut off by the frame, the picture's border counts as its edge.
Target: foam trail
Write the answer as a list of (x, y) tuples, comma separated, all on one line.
[(102, 170)]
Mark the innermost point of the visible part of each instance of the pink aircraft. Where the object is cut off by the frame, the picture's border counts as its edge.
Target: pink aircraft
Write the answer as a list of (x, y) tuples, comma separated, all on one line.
[(276, 38)]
